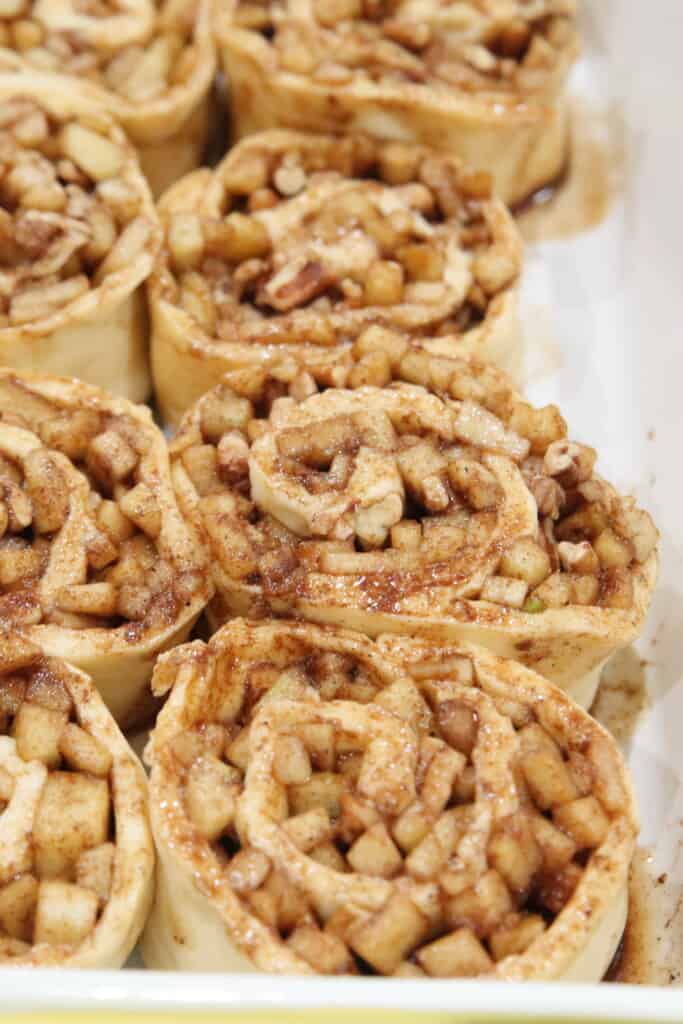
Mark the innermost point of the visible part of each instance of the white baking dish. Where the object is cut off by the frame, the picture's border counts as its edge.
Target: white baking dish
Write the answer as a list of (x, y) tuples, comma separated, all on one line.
[(602, 312)]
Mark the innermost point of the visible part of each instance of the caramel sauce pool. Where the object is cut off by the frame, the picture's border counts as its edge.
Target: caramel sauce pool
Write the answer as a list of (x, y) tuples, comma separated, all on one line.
[(582, 198), (622, 697)]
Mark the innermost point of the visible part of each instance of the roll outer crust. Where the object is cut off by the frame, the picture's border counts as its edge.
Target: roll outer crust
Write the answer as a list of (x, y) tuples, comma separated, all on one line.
[(187, 360), (198, 924), (521, 140)]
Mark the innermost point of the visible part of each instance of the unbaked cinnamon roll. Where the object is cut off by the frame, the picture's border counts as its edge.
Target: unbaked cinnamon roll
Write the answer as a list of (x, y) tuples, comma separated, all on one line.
[(96, 563), (150, 63), (79, 236), (484, 80), (446, 507), (322, 803), (76, 852), (294, 244)]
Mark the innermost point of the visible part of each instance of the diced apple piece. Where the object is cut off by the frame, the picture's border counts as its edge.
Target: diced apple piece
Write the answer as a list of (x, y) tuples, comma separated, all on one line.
[(37, 731), (409, 970), (65, 913), (465, 785), (17, 907), (437, 785), (324, 952), (458, 955), (515, 937), (411, 828), (356, 817), (526, 560), (291, 764), (557, 849), (238, 750), (210, 796), (458, 725), (324, 789), (318, 739), (95, 869), (248, 869), (481, 907), (517, 861), (290, 902), (374, 853), (386, 938), (584, 820), (329, 856), (505, 591), (72, 816), (548, 778), (84, 752), (309, 829), (613, 551)]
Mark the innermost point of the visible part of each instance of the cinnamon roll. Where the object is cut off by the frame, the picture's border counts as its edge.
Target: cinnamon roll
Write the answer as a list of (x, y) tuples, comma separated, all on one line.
[(325, 804), (294, 244), (484, 80), (79, 236), (150, 63), (446, 507)]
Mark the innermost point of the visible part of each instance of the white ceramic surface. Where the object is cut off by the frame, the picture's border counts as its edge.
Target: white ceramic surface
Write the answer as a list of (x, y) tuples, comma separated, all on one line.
[(606, 310)]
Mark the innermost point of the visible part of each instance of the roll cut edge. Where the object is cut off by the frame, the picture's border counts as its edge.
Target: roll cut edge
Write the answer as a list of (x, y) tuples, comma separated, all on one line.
[(325, 803)]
